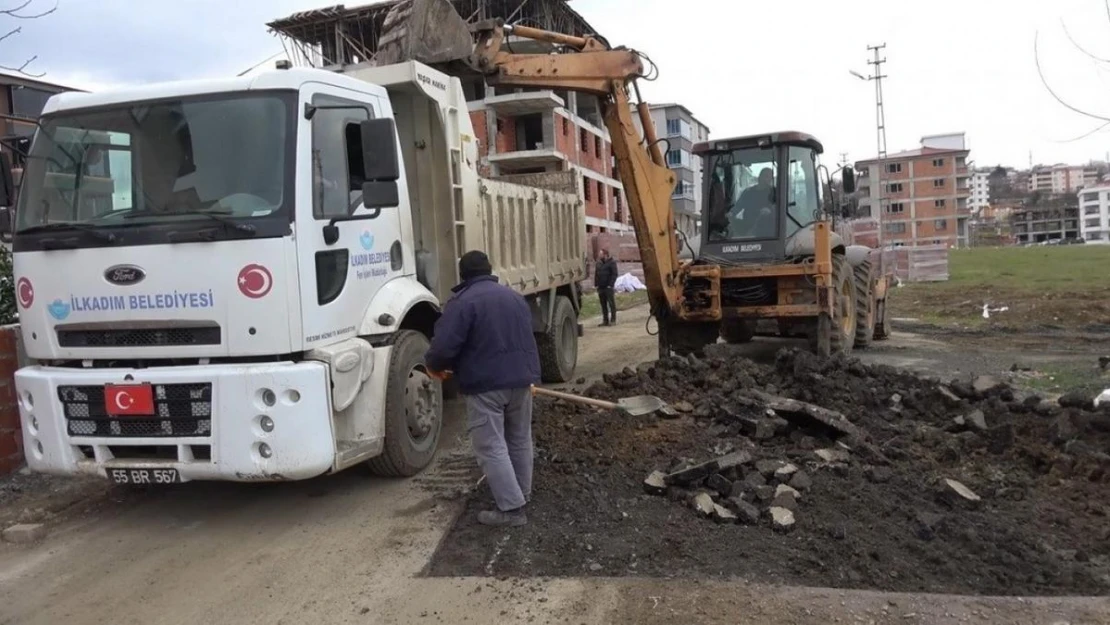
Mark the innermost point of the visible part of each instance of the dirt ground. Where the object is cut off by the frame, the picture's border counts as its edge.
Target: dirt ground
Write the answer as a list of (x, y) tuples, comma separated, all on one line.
[(355, 549)]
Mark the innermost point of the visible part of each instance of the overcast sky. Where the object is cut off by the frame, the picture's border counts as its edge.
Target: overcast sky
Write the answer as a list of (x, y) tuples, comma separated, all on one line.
[(742, 66)]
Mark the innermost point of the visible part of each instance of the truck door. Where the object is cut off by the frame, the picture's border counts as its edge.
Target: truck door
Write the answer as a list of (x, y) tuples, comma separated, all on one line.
[(344, 253)]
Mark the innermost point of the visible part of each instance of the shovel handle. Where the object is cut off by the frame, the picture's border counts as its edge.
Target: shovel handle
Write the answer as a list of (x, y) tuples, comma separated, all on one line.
[(598, 403)]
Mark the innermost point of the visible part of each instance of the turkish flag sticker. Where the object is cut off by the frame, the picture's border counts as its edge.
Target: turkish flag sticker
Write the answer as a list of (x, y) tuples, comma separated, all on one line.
[(128, 400)]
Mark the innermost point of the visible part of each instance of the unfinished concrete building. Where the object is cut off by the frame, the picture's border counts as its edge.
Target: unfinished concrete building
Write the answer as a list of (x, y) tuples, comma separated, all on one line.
[(521, 132)]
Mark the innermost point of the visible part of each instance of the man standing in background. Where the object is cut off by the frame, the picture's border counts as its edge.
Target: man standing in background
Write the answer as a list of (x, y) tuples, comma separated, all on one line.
[(484, 337), (605, 279)]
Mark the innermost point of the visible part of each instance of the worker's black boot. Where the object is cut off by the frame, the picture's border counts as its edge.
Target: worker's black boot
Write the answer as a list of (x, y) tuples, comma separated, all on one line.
[(497, 518)]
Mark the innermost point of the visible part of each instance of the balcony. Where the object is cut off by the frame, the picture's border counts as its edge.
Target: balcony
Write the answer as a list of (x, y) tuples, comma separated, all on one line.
[(539, 156), (525, 103)]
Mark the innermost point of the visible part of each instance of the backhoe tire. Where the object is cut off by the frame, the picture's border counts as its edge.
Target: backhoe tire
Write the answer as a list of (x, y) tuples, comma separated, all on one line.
[(559, 344), (413, 410), (841, 325), (882, 321), (735, 331), (865, 305)]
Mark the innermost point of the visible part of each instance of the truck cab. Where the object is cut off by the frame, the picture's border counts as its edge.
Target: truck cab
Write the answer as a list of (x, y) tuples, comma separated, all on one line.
[(237, 279)]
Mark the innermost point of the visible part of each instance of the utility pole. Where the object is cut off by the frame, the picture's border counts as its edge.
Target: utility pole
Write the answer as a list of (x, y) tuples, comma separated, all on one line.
[(876, 62)]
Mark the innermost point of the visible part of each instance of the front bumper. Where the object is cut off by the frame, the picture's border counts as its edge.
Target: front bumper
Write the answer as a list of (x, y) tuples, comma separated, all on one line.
[(249, 434)]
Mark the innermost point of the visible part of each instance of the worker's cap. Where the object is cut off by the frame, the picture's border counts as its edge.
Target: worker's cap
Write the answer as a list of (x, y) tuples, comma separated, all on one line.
[(473, 264)]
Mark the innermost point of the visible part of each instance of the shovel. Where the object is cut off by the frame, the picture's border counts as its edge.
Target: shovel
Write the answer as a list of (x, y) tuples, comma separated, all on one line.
[(635, 406)]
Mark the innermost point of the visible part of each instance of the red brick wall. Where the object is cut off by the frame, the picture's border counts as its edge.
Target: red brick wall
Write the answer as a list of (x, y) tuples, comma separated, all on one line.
[(478, 120), (622, 246), (11, 435)]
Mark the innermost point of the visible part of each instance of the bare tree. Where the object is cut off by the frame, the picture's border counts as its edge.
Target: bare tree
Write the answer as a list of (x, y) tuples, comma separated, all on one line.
[(21, 13), (1102, 119)]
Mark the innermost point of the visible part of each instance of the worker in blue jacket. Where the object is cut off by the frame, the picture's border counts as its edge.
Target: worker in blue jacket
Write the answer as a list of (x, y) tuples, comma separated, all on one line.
[(484, 337)]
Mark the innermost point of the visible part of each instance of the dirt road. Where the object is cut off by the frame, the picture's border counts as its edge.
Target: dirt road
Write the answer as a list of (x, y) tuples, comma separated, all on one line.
[(352, 549)]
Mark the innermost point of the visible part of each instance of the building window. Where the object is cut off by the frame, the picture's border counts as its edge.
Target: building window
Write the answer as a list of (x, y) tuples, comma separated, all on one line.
[(597, 145), (683, 189), (940, 224), (678, 128), (938, 183), (600, 192), (894, 168), (678, 158), (585, 140), (566, 126), (897, 228), (896, 207), (938, 162), (586, 186), (938, 203), (894, 187)]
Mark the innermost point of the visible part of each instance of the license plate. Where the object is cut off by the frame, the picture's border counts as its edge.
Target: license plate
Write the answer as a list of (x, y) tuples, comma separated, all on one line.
[(144, 476)]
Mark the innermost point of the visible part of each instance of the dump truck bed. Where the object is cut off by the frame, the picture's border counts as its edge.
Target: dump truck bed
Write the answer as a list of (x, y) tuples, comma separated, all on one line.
[(533, 234)]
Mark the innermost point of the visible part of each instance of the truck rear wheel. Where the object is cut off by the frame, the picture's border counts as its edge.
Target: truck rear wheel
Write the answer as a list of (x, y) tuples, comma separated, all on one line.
[(865, 305), (413, 410), (559, 344), (736, 331)]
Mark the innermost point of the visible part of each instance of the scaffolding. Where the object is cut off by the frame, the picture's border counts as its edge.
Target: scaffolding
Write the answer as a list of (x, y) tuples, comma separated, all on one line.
[(340, 35)]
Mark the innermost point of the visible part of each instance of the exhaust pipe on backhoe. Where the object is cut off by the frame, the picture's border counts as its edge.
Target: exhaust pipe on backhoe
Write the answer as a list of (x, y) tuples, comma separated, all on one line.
[(428, 31)]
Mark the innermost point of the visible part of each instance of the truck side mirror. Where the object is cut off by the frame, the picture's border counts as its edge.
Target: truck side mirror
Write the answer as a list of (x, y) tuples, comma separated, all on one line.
[(381, 166), (848, 179), (7, 185)]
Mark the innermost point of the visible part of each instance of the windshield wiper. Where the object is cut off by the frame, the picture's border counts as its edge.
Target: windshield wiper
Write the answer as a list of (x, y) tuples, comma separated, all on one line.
[(219, 217), (110, 237)]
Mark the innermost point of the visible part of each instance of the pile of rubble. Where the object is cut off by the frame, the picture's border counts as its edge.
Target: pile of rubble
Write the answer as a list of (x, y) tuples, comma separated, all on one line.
[(880, 478), (771, 445)]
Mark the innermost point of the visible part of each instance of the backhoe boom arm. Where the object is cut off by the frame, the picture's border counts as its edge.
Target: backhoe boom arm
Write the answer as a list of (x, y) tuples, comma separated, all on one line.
[(595, 68)]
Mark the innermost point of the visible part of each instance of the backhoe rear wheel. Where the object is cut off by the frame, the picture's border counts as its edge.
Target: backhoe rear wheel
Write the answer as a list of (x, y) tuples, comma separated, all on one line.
[(840, 325), (865, 305)]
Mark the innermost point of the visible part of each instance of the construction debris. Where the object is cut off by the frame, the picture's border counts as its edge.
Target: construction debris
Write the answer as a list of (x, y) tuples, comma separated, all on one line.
[(855, 519)]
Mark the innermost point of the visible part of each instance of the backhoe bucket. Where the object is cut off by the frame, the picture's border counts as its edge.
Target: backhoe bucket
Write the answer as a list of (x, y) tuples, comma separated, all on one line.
[(428, 31)]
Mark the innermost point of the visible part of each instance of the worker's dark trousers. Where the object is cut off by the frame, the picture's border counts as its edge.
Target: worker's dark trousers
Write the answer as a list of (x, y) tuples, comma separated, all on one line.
[(500, 428), (608, 304)]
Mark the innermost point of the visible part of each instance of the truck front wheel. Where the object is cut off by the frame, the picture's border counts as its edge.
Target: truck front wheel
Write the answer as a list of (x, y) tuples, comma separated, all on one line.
[(413, 410), (559, 344)]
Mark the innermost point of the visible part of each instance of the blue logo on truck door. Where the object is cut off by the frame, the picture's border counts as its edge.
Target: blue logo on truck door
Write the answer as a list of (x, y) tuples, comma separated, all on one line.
[(367, 265), (58, 309)]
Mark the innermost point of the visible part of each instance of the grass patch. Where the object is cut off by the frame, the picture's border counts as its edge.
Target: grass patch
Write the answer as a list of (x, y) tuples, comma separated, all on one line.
[(1063, 379), (591, 305), (1056, 286)]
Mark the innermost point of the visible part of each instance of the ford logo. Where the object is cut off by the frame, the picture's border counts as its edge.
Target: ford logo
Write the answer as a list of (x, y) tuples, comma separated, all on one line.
[(124, 275)]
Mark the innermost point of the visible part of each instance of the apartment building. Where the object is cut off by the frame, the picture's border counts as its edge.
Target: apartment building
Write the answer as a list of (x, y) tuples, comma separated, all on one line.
[(979, 188), (520, 132), (23, 98), (1037, 224), (1094, 214), (923, 199), (680, 130), (1062, 179)]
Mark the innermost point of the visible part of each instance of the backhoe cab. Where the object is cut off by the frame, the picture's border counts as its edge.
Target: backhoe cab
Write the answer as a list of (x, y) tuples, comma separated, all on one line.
[(768, 252)]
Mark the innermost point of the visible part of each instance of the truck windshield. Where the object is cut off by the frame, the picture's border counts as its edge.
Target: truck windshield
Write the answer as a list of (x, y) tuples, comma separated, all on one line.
[(154, 162), (742, 195)]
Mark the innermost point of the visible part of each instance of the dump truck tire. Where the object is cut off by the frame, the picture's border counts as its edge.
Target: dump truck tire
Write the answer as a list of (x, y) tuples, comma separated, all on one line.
[(841, 325), (413, 410), (737, 331), (865, 305), (559, 344)]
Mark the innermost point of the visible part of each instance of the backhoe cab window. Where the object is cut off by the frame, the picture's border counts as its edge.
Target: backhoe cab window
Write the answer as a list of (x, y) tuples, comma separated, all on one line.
[(802, 202), (157, 162), (742, 195)]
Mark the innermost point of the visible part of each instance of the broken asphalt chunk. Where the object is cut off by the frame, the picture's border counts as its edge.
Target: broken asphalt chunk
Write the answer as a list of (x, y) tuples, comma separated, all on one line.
[(656, 483), (781, 519), (831, 455), (722, 514)]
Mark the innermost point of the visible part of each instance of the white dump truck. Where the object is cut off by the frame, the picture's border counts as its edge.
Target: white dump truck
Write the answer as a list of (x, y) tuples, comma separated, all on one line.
[(237, 279)]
